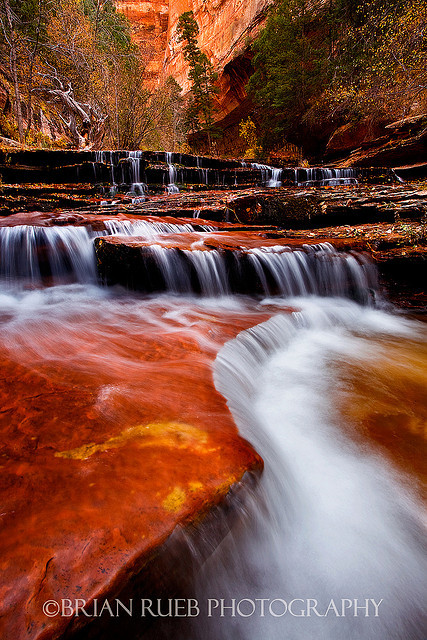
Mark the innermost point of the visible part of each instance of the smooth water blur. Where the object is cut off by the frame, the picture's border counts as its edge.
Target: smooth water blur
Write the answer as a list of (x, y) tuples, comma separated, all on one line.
[(331, 517)]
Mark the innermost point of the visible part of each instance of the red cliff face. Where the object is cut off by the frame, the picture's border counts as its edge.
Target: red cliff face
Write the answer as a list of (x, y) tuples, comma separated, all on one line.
[(226, 29), (149, 22)]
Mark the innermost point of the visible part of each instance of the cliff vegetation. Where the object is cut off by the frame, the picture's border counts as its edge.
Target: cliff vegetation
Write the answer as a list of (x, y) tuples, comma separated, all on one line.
[(70, 76), (320, 66), (324, 77)]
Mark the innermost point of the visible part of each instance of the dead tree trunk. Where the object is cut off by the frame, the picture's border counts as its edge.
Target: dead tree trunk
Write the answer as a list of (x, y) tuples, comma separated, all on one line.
[(90, 131)]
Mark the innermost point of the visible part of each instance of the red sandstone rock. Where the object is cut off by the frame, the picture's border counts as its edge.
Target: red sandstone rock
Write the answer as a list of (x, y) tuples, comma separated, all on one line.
[(149, 21), (101, 459)]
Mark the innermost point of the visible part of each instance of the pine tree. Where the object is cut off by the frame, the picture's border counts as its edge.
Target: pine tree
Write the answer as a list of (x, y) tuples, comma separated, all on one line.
[(201, 109)]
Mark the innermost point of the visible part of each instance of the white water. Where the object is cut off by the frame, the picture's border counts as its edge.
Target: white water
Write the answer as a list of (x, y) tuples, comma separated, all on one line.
[(322, 177), (315, 270), (275, 178), (270, 176), (171, 187), (64, 253), (138, 187), (329, 520), (28, 252)]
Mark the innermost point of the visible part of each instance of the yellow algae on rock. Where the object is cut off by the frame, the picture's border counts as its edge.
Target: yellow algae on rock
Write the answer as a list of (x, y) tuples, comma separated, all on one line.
[(160, 434), (195, 486), (174, 501)]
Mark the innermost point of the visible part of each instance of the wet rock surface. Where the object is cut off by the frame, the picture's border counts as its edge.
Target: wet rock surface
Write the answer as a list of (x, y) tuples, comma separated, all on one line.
[(112, 431), (401, 145), (100, 464)]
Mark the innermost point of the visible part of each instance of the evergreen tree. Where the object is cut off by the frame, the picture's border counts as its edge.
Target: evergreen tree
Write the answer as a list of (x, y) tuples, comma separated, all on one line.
[(290, 65), (200, 113)]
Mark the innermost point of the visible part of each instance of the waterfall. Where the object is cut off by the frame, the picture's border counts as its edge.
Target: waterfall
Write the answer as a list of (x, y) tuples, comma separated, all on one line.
[(107, 157), (149, 229), (270, 176), (323, 177), (313, 270), (35, 253), (274, 181), (125, 168), (138, 187), (330, 522), (171, 187), (396, 175)]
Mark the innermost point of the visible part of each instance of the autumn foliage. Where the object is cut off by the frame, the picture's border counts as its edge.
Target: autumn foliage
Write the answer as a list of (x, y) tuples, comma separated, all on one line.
[(321, 64), (73, 77)]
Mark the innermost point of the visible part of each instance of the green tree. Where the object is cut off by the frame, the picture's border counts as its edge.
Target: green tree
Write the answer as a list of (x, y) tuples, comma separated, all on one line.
[(201, 109), (291, 65)]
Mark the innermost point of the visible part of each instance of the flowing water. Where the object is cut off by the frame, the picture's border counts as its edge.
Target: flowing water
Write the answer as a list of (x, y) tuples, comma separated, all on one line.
[(334, 523), (333, 526), (172, 172)]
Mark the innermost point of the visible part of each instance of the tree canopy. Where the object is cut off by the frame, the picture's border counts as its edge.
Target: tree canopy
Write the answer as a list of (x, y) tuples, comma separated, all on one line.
[(318, 64)]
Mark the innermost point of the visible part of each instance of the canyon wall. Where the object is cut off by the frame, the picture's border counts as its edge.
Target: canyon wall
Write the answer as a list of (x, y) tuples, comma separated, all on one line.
[(227, 27), (149, 21)]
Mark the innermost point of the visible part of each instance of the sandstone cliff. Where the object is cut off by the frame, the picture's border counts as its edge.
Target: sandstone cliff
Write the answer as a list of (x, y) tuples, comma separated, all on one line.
[(227, 27), (149, 22)]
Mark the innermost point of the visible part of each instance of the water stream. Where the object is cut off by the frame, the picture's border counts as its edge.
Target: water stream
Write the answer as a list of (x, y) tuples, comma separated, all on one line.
[(332, 525)]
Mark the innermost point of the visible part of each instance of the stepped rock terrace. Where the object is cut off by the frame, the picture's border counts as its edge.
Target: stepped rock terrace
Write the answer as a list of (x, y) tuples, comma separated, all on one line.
[(136, 297)]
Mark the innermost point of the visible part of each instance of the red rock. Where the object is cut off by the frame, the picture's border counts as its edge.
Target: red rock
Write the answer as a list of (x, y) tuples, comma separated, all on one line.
[(102, 459)]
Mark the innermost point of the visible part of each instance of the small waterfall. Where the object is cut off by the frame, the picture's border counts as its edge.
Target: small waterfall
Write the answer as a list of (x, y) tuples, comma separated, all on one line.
[(329, 520), (138, 187), (270, 271), (204, 176), (107, 158), (211, 272), (317, 270), (275, 178), (171, 187), (66, 253), (270, 176), (398, 178), (149, 229), (186, 271), (323, 177), (34, 253)]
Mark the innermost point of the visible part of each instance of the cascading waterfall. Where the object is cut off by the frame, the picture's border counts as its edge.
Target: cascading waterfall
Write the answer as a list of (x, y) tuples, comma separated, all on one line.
[(138, 187), (275, 178), (270, 176), (202, 173), (331, 527), (195, 171), (396, 175), (171, 187), (61, 253), (149, 229), (107, 157), (32, 253), (328, 522), (314, 270), (322, 177)]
